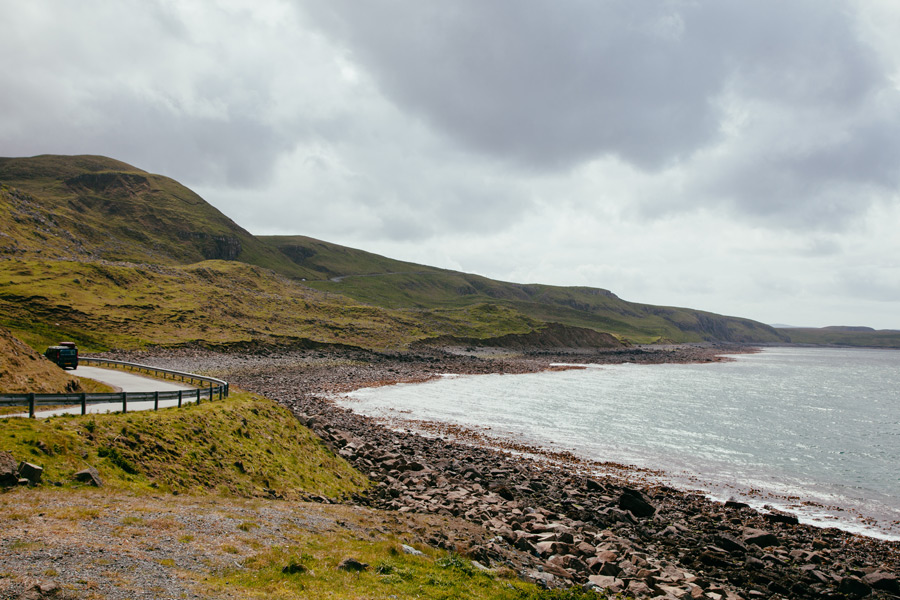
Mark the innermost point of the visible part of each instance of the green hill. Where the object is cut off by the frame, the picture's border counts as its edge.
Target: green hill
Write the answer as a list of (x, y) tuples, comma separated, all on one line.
[(101, 252), (92, 207), (843, 336), (389, 283)]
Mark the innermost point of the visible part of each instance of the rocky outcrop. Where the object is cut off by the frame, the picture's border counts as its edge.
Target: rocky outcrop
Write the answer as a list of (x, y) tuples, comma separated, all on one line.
[(109, 183), (214, 247)]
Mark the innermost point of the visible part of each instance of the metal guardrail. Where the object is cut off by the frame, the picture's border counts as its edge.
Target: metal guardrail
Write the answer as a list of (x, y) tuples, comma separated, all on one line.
[(215, 387)]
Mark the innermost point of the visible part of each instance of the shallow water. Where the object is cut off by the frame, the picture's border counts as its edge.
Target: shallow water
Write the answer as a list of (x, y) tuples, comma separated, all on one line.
[(812, 430)]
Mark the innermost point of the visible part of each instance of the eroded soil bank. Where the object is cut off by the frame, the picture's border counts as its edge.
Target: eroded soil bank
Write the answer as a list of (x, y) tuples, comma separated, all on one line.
[(555, 519)]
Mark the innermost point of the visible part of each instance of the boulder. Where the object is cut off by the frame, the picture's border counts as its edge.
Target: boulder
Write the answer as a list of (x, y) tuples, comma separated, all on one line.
[(736, 504), (726, 542), (9, 470), (777, 516), (89, 476), (605, 568), (880, 580), (549, 548), (636, 503), (410, 550), (854, 587), (594, 486), (557, 571), (31, 472), (760, 538), (606, 582), (585, 549)]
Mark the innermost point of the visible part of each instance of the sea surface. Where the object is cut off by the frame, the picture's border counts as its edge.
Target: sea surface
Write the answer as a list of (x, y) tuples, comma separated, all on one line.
[(815, 431)]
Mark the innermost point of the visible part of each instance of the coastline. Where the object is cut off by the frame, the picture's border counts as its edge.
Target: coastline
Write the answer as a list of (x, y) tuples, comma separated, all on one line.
[(483, 416), (554, 523)]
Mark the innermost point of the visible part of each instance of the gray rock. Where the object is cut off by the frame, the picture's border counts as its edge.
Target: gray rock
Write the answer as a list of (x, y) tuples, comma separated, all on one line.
[(410, 550), (9, 470), (31, 472), (90, 476)]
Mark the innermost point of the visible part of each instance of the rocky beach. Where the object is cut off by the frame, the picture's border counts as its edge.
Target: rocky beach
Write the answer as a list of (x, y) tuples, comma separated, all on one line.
[(554, 518)]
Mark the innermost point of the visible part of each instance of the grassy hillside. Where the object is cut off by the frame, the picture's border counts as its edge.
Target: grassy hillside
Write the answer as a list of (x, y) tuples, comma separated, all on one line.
[(109, 255), (843, 336), (381, 281), (92, 207), (245, 446), (22, 370), (102, 306)]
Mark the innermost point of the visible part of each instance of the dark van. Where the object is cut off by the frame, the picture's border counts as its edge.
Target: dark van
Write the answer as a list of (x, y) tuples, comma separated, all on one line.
[(65, 354)]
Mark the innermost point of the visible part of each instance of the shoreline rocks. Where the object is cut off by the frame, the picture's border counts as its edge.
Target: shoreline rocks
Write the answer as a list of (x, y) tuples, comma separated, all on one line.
[(552, 522)]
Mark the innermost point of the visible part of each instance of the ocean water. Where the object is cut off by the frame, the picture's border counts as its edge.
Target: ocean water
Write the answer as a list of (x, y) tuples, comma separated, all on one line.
[(811, 430)]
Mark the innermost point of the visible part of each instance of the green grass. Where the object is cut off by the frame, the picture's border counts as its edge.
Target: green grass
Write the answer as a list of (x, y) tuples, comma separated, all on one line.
[(843, 337), (242, 446), (309, 570), (63, 206), (103, 306)]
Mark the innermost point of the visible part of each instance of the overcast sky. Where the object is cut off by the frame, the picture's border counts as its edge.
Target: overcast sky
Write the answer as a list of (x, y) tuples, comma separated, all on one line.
[(733, 156)]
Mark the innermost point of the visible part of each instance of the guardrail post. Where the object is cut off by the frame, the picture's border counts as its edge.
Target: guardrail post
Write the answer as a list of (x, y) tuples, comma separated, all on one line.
[(210, 391), (221, 392), (83, 404), (179, 397), (124, 402), (198, 395), (30, 406), (155, 400)]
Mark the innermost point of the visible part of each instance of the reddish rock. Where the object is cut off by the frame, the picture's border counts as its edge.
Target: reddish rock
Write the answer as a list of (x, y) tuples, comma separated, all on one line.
[(760, 538), (883, 581)]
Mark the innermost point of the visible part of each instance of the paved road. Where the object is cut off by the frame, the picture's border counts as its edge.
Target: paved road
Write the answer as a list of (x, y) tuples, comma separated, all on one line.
[(129, 382), (124, 381)]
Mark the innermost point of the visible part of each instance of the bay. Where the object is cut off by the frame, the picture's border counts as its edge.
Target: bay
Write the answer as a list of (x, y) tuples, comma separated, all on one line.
[(815, 431)]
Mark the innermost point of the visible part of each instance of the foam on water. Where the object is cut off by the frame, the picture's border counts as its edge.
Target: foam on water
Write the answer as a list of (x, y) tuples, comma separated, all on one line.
[(814, 431)]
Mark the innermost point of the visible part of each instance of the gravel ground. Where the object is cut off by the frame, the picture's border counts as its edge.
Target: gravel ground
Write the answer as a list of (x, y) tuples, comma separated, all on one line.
[(95, 544)]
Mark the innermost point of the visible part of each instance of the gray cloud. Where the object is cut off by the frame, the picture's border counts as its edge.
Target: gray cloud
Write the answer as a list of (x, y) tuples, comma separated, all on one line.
[(547, 86), (143, 83), (544, 84)]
